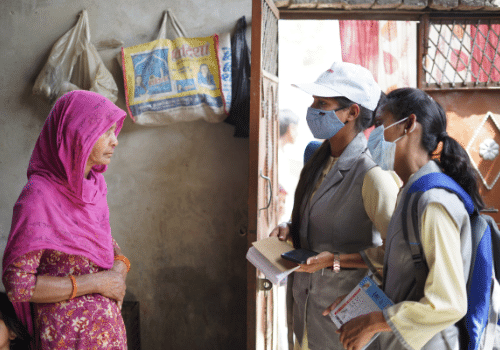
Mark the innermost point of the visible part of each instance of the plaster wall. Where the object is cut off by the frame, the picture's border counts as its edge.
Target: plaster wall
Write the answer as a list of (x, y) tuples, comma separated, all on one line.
[(466, 112), (177, 193)]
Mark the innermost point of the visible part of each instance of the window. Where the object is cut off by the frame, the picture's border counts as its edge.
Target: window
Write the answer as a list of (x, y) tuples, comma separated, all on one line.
[(461, 54)]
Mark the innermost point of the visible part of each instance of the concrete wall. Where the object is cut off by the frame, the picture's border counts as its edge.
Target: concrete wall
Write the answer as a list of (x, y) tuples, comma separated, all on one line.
[(177, 194)]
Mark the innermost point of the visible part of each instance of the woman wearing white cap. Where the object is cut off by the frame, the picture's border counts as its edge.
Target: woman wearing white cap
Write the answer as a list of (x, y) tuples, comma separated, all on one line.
[(343, 203)]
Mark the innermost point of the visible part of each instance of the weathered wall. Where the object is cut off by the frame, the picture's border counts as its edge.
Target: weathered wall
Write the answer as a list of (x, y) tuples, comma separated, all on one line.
[(177, 194), (466, 112)]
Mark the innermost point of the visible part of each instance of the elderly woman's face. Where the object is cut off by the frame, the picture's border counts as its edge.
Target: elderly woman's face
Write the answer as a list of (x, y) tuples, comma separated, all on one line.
[(103, 148)]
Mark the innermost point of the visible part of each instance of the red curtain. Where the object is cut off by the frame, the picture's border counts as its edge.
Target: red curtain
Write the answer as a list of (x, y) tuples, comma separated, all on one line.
[(484, 52), (360, 43)]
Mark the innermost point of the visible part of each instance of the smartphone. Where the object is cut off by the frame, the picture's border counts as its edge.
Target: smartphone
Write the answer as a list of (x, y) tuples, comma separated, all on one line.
[(298, 256)]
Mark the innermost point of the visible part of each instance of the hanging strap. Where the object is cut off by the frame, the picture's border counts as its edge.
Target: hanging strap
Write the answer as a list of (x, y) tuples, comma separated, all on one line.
[(426, 182), (413, 237), (179, 30)]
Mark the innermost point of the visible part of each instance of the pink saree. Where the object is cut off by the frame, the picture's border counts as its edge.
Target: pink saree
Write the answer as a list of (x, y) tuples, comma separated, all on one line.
[(58, 209)]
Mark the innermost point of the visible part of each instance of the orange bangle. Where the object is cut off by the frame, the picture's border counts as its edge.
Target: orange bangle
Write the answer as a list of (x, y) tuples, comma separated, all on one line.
[(124, 259), (75, 288)]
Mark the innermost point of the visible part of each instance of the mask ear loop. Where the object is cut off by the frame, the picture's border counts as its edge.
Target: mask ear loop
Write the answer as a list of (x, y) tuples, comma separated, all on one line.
[(413, 128)]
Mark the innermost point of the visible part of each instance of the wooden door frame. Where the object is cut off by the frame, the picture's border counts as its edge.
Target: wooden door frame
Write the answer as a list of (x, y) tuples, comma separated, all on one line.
[(421, 16), (253, 169)]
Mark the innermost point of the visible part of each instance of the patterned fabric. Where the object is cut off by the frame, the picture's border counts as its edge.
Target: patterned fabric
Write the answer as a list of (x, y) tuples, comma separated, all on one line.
[(383, 47), (88, 322), (61, 208)]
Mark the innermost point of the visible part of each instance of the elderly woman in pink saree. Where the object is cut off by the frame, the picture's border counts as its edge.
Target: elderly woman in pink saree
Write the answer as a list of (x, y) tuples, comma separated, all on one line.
[(62, 269)]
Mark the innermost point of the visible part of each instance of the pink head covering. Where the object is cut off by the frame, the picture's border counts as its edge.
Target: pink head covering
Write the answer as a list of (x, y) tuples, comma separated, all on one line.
[(59, 208)]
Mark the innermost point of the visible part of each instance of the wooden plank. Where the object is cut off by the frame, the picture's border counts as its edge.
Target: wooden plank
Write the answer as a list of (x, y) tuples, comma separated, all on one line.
[(273, 8), (422, 35), (387, 15), (331, 4), (479, 6), (309, 4), (254, 125), (443, 4), (470, 5), (413, 4), (281, 3), (270, 76), (387, 4), (358, 4)]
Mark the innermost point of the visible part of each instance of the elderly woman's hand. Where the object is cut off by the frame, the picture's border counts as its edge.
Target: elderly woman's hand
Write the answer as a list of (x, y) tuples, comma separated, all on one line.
[(112, 285), (120, 267)]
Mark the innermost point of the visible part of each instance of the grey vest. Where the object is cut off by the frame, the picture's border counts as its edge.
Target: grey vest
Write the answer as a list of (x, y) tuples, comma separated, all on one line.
[(399, 269), (333, 220)]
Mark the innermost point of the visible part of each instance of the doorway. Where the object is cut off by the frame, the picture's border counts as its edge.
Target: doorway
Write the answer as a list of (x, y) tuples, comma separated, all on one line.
[(307, 48)]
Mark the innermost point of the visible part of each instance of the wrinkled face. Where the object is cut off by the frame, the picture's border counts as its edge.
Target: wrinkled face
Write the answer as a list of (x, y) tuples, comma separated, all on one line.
[(103, 149)]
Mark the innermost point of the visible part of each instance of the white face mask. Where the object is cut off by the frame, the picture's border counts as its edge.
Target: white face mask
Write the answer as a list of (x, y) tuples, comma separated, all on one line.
[(383, 152)]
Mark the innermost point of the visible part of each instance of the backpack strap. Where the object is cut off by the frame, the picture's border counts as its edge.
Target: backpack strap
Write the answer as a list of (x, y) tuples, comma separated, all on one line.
[(480, 320), (440, 180), (310, 149), (413, 237), (426, 182), (479, 285)]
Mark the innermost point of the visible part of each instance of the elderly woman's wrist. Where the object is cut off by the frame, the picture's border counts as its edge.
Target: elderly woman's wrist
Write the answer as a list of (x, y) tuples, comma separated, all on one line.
[(124, 263)]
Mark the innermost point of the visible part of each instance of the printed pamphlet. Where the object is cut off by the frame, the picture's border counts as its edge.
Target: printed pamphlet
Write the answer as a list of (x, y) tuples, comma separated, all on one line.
[(365, 298)]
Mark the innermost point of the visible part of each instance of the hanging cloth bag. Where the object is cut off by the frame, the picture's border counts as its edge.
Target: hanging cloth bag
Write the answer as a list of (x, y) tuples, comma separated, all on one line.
[(75, 64), (185, 79)]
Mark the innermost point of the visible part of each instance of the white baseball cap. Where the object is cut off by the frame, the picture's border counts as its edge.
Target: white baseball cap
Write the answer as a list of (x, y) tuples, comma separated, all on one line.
[(348, 80)]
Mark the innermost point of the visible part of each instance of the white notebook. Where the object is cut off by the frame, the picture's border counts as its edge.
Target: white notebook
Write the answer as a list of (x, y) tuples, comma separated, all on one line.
[(265, 255)]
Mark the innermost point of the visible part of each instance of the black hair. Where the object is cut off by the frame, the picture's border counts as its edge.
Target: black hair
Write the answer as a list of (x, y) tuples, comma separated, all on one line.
[(8, 316), (315, 164), (453, 159), (287, 117)]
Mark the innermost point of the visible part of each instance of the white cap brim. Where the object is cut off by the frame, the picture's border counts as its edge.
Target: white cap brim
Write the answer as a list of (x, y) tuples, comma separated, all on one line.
[(318, 90)]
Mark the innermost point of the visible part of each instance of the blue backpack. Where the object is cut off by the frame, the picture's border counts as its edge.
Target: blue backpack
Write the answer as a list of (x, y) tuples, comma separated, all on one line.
[(310, 149), (478, 327)]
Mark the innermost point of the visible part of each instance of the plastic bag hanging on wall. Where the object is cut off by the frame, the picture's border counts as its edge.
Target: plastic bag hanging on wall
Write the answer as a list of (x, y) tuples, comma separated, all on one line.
[(75, 64), (185, 79)]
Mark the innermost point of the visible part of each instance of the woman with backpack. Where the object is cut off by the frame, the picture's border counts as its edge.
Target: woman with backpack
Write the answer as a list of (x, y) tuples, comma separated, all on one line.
[(409, 128), (343, 203)]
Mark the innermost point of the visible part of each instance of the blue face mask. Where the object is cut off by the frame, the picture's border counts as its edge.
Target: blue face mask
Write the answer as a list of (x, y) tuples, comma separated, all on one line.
[(323, 124), (383, 152)]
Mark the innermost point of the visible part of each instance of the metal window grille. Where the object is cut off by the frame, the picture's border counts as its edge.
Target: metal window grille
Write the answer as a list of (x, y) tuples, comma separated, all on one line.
[(462, 53)]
